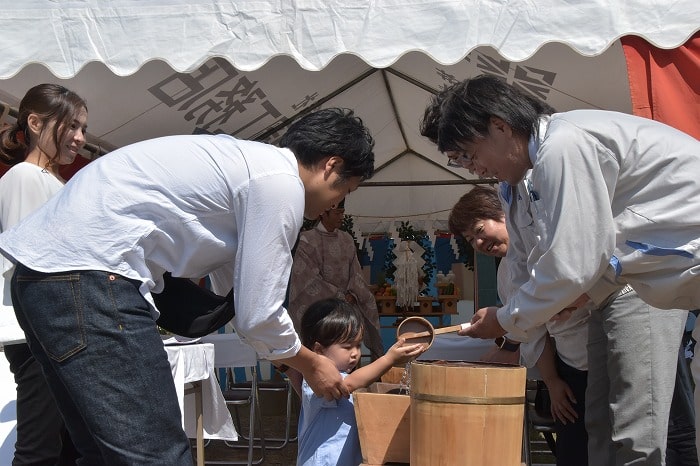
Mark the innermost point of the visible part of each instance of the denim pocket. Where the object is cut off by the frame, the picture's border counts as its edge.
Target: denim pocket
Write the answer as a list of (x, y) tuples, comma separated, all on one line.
[(52, 306)]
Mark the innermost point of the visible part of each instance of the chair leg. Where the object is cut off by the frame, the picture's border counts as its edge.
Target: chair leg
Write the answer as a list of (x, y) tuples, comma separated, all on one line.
[(255, 414), (255, 417), (527, 460), (278, 442), (551, 442), (251, 426), (248, 438), (287, 425)]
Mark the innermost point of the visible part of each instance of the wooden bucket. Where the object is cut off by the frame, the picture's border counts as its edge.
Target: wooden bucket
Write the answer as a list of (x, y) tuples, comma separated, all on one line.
[(466, 413), (383, 424)]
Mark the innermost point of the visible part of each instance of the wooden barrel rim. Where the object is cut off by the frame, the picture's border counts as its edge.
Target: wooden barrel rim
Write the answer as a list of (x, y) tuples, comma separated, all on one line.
[(479, 365), (470, 400)]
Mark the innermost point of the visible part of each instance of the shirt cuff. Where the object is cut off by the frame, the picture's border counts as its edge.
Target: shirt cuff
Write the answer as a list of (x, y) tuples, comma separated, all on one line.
[(605, 287), (506, 321)]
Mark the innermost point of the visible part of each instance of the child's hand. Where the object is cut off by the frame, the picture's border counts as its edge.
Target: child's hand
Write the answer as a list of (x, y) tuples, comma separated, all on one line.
[(401, 353)]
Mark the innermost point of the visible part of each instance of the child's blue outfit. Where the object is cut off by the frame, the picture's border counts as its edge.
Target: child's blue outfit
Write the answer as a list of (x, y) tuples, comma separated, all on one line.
[(327, 431)]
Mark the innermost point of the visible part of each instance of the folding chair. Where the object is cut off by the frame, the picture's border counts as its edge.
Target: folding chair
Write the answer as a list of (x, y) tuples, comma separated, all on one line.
[(273, 381), (540, 420), (231, 353)]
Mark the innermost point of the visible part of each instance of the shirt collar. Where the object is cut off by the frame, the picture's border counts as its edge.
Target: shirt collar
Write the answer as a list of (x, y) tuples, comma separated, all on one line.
[(506, 192), (536, 138)]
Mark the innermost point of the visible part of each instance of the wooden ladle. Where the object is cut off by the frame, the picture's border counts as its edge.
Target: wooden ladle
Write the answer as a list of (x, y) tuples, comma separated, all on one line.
[(420, 330), (437, 331)]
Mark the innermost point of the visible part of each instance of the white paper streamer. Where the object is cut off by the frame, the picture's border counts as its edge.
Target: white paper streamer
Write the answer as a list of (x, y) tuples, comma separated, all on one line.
[(408, 267), (455, 248), (370, 250)]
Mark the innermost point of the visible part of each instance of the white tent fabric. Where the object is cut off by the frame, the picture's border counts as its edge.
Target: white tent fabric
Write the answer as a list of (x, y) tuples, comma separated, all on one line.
[(125, 34), (249, 67)]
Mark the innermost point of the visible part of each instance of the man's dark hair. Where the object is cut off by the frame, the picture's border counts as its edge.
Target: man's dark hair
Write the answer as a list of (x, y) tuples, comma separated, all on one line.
[(468, 106), (430, 123), (329, 132)]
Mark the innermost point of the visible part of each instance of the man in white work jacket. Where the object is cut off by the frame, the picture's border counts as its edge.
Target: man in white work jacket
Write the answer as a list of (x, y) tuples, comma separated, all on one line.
[(615, 201)]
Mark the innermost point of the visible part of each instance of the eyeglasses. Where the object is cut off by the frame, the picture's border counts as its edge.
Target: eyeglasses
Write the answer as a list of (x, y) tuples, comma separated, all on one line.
[(459, 162)]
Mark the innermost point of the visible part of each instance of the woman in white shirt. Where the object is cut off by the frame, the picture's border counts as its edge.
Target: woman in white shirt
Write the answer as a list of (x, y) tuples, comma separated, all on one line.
[(49, 132)]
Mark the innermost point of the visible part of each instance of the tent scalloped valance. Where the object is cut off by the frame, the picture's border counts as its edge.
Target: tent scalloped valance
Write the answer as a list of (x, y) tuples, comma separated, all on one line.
[(125, 34)]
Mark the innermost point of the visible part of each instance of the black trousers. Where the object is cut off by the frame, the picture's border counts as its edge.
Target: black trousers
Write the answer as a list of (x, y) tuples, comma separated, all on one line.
[(680, 447), (572, 438), (42, 438)]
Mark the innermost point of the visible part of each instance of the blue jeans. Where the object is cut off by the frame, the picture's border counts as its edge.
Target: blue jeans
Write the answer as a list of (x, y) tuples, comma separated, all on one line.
[(100, 350)]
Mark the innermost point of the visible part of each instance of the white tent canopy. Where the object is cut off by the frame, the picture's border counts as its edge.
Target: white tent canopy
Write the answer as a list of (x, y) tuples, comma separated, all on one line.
[(125, 34), (249, 67)]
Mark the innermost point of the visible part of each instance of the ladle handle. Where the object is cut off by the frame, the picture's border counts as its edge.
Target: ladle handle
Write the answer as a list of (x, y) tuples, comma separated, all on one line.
[(452, 328)]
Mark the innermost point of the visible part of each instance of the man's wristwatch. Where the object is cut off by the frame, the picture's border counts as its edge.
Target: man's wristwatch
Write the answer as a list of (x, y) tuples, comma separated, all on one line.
[(506, 344)]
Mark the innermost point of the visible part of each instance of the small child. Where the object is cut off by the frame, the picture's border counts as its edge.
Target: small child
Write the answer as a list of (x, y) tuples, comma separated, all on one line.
[(328, 429)]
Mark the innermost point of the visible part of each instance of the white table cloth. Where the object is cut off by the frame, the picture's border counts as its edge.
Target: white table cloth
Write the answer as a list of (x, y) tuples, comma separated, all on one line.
[(195, 362), (8, 412), (452, 347)]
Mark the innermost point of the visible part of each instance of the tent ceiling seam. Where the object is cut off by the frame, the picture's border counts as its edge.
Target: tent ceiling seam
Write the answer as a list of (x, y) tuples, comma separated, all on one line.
[(262, 136), (392, 101)]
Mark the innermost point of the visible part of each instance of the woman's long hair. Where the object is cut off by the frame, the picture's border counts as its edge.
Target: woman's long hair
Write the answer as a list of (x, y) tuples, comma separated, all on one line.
[(51, 102)]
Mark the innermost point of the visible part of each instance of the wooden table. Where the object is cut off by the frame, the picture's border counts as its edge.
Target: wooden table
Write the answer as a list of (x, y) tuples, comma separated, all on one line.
[(428, 306), (400, 316)]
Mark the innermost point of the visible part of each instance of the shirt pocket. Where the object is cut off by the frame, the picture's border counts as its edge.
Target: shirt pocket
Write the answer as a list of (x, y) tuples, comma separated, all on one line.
[(539, 220)]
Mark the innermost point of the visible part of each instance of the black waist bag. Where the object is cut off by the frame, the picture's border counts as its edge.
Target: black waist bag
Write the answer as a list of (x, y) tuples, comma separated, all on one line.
[(189, 310)]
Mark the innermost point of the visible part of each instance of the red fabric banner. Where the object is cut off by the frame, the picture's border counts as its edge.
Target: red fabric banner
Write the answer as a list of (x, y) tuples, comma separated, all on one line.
[(665, 84)]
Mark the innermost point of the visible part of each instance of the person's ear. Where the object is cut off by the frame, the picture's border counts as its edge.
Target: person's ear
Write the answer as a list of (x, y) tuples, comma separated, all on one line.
[(34, 123), (333, 163), (499, 125), (317, 348)]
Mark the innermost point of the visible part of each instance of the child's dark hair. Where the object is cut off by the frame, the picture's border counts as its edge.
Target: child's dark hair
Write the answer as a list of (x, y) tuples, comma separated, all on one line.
[(330, 321)]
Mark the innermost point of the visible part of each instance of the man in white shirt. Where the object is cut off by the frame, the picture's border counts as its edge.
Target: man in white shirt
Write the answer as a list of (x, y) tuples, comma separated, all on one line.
[(88, 261)]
